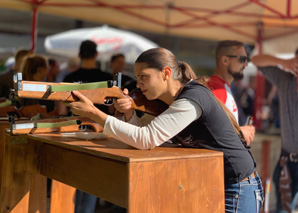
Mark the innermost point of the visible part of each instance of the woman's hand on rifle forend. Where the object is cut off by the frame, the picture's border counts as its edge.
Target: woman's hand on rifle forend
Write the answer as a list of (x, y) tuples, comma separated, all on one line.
[(123, 105), (84, 107)]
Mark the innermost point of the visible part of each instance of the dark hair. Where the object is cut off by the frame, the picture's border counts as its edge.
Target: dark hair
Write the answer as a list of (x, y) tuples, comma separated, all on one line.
[(225, 48), (52, 62), (87, 49), (30, 66), (296, 52), (116, 56), (21, 53), (158, 58)]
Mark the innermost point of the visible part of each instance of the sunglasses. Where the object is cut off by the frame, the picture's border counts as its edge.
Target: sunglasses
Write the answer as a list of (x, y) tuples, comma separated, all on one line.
[(242, 58)]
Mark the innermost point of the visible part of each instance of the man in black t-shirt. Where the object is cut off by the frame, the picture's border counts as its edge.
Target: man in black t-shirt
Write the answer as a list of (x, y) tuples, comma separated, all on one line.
[(88, 72)]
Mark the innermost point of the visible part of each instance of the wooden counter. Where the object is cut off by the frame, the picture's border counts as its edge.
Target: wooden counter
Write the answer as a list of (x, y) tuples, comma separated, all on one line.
[(23, 191), (165, 179)]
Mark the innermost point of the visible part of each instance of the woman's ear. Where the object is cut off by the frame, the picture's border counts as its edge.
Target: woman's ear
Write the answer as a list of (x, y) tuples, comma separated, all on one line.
[(167, 72)]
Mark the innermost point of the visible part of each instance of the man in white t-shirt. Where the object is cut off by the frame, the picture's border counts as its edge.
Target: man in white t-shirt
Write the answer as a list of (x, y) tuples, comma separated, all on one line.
[(231, 59)]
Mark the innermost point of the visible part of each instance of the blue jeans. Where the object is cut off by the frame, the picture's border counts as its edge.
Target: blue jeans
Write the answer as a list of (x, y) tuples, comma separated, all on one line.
[(246, 196), (85, 203)]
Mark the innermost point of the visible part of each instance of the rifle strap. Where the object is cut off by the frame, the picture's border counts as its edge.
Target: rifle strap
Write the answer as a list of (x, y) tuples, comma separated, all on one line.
[(85, 86)]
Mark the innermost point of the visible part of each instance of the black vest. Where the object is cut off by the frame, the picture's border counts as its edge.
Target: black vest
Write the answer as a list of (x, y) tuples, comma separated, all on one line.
[(214, 131)]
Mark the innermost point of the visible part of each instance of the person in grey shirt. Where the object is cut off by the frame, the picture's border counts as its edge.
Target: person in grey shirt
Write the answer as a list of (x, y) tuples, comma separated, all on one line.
[(283, 74)]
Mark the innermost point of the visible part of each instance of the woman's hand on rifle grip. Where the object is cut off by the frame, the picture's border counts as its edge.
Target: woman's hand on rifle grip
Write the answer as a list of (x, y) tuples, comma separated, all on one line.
[(123, 105), (83, 106)]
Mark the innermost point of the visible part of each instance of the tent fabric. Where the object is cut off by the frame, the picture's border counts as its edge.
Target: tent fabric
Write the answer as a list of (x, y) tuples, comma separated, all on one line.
[(212, 19), (109, 41), (250, 21)]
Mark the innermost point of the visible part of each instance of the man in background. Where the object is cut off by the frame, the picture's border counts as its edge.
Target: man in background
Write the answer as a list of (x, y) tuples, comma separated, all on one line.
[(53, 70), (231, 60), (283, 74), (117, 65), (88, 72)]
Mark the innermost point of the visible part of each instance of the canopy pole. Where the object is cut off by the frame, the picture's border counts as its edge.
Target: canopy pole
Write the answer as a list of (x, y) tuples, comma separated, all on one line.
[(34, 27), (260, 84)]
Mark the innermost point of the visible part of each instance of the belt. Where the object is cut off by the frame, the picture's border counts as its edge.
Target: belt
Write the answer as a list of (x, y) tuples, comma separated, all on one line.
[(253, 175), (293, 157)]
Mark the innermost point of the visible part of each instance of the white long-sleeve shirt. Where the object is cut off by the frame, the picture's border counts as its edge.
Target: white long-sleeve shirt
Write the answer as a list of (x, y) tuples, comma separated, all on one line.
[(148, 132)]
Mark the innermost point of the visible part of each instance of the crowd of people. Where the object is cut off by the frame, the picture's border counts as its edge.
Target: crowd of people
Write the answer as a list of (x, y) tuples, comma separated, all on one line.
[(204, 112)]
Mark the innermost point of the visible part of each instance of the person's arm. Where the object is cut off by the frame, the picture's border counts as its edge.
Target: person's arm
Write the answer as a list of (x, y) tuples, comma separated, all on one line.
[(290, 65), (162, 128), (165, 126), (86, 108)]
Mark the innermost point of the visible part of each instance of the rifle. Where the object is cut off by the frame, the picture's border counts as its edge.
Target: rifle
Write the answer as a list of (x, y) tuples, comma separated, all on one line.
[(14, 106), (98, 93), (65, 124), (25, 111)]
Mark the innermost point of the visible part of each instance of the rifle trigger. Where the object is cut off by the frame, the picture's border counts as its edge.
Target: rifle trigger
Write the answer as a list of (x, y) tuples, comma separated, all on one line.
[(108, 101)]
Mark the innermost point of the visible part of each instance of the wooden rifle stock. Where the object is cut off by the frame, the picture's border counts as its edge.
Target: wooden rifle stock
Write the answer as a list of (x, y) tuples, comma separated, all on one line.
[(97, 96), (25, 111)]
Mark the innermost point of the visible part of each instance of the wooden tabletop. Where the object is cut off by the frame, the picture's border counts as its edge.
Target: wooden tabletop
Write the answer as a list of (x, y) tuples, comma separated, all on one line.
[(116, 150)]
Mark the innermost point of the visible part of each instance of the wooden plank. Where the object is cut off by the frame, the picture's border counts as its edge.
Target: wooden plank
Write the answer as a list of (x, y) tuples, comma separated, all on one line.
[(22, 205), (165, 179), (102, 177), (3, 126), (183, 185), (113, 149), (19, 162), (62, 198), (15, 180), (38, 194), (100, 174)]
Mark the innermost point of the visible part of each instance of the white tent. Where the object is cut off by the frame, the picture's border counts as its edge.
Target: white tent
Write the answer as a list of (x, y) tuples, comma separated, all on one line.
[(249, 21), (109, 41)]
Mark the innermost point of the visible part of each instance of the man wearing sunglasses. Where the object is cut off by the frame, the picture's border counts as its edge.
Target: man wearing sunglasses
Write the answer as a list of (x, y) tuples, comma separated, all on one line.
[(231, 59), (283, 73)]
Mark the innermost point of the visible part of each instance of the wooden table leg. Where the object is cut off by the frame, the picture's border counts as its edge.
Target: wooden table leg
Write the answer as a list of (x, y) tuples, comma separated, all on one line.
[(62, 198), (18, 185)]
